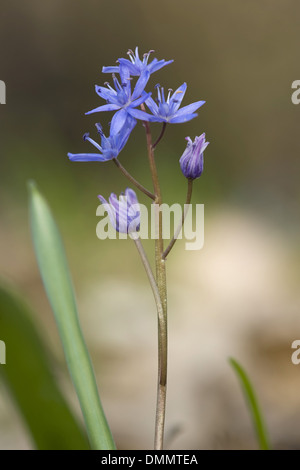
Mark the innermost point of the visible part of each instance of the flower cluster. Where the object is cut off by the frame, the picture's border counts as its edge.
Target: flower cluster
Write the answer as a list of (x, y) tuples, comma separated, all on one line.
[(124, 99), (131, 102)]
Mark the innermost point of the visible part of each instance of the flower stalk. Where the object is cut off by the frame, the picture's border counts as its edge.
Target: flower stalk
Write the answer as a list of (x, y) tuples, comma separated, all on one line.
[(133, 180), (162, 288), (184, 214)]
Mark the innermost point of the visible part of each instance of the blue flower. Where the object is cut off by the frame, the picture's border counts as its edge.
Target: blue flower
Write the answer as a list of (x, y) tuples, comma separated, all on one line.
[(191, 161), (121, 99), (124, 213), (136, 66), (167, 110), (110, 146)]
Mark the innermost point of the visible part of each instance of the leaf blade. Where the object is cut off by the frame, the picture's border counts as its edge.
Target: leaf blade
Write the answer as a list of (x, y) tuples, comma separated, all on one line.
[(54, 270), (257, 417)]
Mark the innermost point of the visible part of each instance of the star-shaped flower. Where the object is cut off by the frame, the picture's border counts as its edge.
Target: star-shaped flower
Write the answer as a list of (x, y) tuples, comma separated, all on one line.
[(110, 146), (136, 66), (167, 110), (121, 99)]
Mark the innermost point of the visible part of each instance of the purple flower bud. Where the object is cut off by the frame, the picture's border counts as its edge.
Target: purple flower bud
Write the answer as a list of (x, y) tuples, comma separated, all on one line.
[(191, 161), (124, 213)]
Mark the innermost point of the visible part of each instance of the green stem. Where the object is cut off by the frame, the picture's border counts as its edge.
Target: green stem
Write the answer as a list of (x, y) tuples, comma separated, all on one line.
[(150, 277), (161, 283), (132, 179), (180, 226), (151, 159)]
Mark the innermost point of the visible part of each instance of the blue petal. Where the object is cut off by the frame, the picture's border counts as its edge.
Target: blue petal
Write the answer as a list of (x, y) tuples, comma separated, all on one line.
[(104, 201), (189, 109), (86, 157), (133, 69), (110, 210), (131, 196), (184, 118), (125, 78), (105, 107), (114, 201), (177, 97), (125, 132), (118, 121), (111, 69), (136, 113), (140, 100), (152, 105), (120, 208), (140, 84), (105, 93), (154, 66)]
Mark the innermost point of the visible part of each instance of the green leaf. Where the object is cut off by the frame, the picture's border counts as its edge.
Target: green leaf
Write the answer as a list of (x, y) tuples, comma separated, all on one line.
[(27, 374), (252, 402), (54, 270)]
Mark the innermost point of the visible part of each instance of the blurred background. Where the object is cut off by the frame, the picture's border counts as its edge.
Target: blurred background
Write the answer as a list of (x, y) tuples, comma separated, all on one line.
[(238, 296)]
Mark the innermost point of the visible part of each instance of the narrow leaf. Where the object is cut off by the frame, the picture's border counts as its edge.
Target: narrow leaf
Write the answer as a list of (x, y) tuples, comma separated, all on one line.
[(55, 274), (254, 408)]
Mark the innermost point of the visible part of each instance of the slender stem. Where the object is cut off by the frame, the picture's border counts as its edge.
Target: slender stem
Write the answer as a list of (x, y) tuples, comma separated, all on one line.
[(161, 283), (160, 135), (151, 159), (180, 226), (151, 278), (163, 358), (132, 179)]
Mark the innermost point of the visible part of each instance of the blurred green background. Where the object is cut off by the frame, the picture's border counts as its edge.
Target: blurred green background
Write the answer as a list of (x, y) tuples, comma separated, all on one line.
[(239, 296)]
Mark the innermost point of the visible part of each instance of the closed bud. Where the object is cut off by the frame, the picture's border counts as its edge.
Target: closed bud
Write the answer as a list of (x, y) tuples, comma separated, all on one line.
[(191, 161), (124, 212)]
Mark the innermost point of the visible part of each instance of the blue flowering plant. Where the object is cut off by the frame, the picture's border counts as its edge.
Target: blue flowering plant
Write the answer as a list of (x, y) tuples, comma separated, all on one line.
[(130, 102)]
